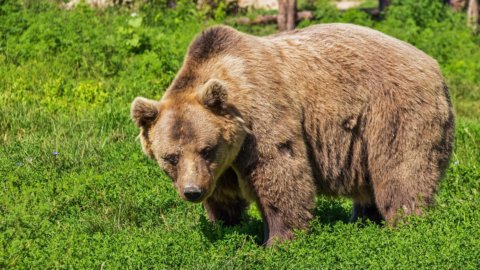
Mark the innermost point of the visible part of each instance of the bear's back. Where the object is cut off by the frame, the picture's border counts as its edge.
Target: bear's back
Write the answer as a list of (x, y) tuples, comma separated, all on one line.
[(359, 57)]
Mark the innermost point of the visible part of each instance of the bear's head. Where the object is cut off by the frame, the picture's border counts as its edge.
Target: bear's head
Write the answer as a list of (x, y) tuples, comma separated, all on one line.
[(193, 135)]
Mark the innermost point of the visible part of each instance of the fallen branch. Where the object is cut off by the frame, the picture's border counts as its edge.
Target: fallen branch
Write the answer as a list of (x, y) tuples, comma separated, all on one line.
[(101, 4), (266, 19)]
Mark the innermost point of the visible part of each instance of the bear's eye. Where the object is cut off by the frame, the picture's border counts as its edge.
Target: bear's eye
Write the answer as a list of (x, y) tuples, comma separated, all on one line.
[(207, 153), (171, 158)]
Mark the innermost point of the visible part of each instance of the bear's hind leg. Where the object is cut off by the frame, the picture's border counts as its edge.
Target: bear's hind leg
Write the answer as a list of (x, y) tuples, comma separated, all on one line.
[(405, 184), (366, 212), (408, 150), (405, 189), (395, 202)]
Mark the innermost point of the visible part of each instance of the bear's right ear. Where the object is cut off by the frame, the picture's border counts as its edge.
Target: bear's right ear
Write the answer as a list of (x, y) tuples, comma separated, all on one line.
[(144, 111), (213, 95)]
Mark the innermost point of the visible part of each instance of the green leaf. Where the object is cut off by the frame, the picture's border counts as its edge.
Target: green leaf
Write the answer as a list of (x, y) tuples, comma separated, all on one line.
[(135, 22)]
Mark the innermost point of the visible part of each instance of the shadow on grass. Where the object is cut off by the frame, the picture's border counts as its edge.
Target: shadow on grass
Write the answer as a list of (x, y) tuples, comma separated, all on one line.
[(216, 231), (326, 212), (331, 211)]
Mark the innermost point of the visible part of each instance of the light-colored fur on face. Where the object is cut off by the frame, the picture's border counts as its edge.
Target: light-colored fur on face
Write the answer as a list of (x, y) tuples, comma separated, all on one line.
[(332, 109), (183, 129)]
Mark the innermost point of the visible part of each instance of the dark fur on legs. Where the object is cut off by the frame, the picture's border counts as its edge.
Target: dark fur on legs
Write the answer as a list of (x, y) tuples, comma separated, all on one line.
[(225, 204), (363, 213)]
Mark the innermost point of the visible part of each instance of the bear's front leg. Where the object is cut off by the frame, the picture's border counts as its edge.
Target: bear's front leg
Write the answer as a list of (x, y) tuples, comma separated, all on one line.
[(228, 211), (226, 203), (285, 193), (277, 226)]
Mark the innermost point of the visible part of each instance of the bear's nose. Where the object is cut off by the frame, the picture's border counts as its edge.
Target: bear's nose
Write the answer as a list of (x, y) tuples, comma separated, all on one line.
[(192, 193)]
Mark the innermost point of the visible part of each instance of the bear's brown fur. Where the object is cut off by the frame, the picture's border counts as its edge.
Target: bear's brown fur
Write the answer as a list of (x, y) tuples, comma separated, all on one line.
[(332, 109)]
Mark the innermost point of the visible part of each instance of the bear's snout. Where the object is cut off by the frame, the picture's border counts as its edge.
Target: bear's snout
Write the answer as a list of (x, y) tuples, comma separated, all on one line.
[(192, 193)]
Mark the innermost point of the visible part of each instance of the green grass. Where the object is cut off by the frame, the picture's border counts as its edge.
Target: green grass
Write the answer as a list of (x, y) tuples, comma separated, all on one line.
[(66, 83)]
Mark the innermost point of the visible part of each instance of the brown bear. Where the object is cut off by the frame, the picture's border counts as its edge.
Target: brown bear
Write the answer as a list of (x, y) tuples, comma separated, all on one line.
[(332, 109)]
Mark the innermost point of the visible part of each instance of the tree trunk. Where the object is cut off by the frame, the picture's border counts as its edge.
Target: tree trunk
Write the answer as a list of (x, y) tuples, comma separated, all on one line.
[(472, 15), (171, 3), (287, 14), (292, 14), (265, 19), (382, 4), (457, 4)]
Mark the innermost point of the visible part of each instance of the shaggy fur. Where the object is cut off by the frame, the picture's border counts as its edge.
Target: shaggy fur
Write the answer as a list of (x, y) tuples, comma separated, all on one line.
[(332, 109)]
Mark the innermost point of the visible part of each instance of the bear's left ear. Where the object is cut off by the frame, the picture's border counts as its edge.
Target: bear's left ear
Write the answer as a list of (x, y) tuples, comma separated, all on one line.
[(144, 111), (213, 95)]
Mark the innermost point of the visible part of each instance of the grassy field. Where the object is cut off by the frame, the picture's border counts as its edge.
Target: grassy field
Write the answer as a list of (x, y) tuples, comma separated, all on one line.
[(76, 191)]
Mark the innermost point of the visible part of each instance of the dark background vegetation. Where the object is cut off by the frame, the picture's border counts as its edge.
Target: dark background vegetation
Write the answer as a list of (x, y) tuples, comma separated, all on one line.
[(76, 191)]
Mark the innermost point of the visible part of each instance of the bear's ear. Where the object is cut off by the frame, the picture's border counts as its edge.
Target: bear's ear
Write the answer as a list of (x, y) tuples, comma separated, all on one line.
[(144, 111), (214, 95)]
